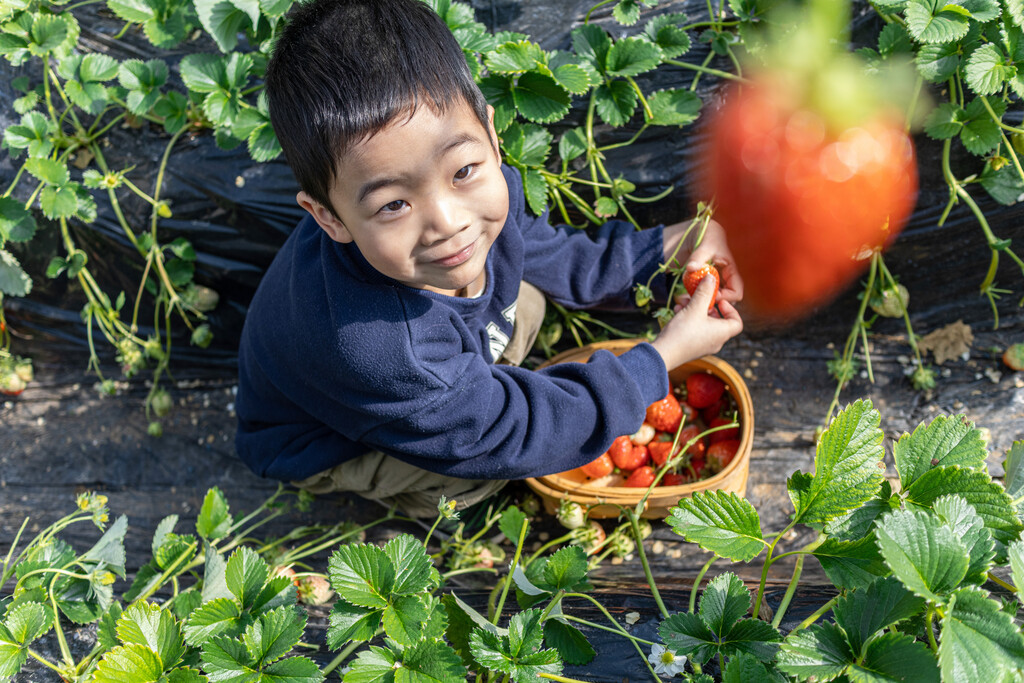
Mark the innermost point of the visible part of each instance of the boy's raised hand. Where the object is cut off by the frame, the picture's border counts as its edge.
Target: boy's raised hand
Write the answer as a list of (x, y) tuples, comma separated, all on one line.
[(694, 332), (713, 248)]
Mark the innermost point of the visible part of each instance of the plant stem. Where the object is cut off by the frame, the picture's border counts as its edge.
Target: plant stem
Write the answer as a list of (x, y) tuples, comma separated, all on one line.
[(768, 563), (345, 652), (593, 624), (816, 615), (1008, 586), (512, 568), (931, 631), (635, 524), (44, 661), (696, 582), (790, 590), (618, 626)]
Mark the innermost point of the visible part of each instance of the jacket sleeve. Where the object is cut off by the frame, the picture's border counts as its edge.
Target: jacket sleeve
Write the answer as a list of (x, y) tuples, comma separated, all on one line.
[(579, 269)]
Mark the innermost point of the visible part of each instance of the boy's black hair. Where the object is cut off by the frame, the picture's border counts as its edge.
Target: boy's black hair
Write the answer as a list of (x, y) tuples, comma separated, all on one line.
[(342, 70)]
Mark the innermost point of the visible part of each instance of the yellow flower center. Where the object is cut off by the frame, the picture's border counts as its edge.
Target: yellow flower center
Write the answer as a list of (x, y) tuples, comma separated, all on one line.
[(667, 657)]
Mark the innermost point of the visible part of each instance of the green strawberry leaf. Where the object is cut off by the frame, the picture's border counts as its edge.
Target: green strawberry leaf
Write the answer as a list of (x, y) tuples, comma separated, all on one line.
[(362, 574), (864, 612), (226, 659), (935, 21), (851, 564), (155, 629), (923, 553), (945, 441), (515, 58), (540, 98), (572, 144), (1004, 185), (979, 642), (1015, 553), (50, 171), (175, 551), (526, 145), (858, 523), (616, 101), (404, 619), (627, 12), (223, 21), (48, 33), (820, 651), (723, 603), (572, 77), (163, 530), (969, 527), (416, 573), (263, 144), (632, 56), (536, 189), (944, 122), (674, 107), (220, 616), (986, 70), (203, 73), (350, 622), (495, 652), (566, 568), (848, 468), (573, 647), (936, 63), (214, 575), (753, 637), (131, 662), (33, 133), (135, 11), (895, 657), (606, 207), (686, 634), (274, 634), (976, 487), (245, 575), (1013, 476), (720, 522), (497, 91), (12, 654), (16, 222), (592, 43), (25, 622), (214, 520), (981, 133), (292, 670), (665, 32), (59, 202)]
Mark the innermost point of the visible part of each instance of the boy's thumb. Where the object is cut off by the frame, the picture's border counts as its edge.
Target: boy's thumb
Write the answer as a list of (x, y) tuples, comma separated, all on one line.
[(705, 290)]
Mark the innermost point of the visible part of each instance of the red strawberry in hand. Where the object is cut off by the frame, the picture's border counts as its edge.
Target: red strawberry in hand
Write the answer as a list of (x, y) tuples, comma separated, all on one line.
[(703, 389), (693, 278)]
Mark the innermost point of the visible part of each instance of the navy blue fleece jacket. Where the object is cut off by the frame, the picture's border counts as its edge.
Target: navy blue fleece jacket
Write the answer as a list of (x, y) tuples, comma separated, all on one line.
[(337, 359)]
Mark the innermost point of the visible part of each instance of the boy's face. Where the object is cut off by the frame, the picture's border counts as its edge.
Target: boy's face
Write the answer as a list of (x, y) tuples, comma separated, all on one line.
[(423, 199)]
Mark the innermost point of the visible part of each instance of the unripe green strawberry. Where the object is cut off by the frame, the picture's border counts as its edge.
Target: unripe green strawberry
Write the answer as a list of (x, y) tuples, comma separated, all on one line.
[(891, 302), (923, 378), (202, 336), (23, 369), (571, 515), (161, 402), (155, 429), (1014, 357)]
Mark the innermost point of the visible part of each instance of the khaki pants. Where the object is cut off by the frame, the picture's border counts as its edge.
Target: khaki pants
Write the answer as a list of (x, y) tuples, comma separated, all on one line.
[(415, 491)]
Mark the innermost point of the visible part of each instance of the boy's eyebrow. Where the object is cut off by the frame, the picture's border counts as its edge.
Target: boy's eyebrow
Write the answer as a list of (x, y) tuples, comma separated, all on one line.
[(372, 186)]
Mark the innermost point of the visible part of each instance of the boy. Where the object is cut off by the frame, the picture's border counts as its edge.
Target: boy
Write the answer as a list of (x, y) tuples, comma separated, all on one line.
[(380, 352)]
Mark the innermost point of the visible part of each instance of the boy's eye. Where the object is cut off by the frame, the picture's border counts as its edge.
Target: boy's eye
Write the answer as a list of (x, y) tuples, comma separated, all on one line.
[(464, 172), (396, 205)]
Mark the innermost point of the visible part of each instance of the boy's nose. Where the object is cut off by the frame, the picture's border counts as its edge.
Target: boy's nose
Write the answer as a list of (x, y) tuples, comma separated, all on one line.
[(446, 218)]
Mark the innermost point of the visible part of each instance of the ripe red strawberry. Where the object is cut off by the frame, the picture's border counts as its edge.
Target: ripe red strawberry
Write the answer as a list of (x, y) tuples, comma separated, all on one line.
[(665, 415), (703, 389), (715, 409), (725, 434), (721, 454), (620, 450), (672, 479), (693, 278), (599, 468), (690, 432), (641, 478), (661, 450)]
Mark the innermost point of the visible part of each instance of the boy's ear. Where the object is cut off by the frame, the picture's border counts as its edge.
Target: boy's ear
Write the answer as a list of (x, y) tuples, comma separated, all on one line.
[(492, 133), (330, 223)]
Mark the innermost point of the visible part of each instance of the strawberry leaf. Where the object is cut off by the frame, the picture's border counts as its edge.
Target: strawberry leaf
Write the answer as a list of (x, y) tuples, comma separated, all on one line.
[(14, 281), (404, 619), (723, 603), (592, 44), (688, 635), (860, 522), (227, 659), (572, 645), (895, 657), (572, 77), (848, 468), (216, 617), (936, 21), (214, 520), (155, 629), (864, 612), (946, 441), (923, 553), (132, 662), (936, 63), (351, 622), (616, 102), (109, 550), (214, 575), (674, 107), (665, 32), (222, 21), (274, 634), (362, 574), (416, 573), (536, 189), (632, 56), (572, 144), (245, 575), (1015, 551), (515, 58), (981, 133), (969, 527), (566, 568), (979, 642), (977, 488), (497, 91), (986, 70), (1013, 477), (12, 654), (944, 122), (540, 98), (292, 670), (720, 522), (820, 651), (851, 564)]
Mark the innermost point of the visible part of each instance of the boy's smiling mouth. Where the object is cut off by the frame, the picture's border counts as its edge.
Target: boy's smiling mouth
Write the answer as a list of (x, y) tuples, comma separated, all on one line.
[(457, 258)]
